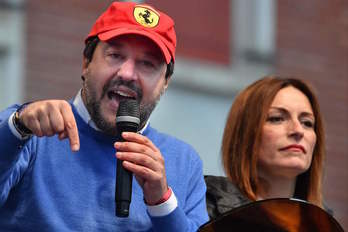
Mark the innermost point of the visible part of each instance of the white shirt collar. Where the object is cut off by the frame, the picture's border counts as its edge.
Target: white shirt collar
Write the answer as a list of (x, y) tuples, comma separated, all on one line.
[(83, 112)]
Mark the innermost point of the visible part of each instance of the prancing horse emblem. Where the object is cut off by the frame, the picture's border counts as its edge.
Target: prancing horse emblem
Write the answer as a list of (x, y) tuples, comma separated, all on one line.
[(146, 16)]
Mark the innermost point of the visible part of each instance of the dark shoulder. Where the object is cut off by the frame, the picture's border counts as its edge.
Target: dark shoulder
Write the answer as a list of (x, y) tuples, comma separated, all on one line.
[(222, 195)]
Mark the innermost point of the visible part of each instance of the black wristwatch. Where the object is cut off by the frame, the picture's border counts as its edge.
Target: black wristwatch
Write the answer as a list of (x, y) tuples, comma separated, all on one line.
[(20, 127)]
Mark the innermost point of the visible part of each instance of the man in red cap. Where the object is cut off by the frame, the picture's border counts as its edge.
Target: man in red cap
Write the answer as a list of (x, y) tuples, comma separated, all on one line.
[(129, 54)]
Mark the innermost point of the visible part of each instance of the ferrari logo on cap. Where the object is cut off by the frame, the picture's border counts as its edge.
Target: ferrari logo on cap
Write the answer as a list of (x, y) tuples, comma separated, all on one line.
[(146, 16)]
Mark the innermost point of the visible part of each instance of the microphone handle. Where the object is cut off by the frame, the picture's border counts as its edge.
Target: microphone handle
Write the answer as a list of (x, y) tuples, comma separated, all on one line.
[(123, 187)]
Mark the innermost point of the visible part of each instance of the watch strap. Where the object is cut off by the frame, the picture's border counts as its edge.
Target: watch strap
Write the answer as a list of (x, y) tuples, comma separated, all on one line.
[(20, 127)]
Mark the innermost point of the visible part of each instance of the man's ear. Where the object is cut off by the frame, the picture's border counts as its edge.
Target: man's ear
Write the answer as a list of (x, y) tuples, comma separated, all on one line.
[(85, 63), (166, 83)]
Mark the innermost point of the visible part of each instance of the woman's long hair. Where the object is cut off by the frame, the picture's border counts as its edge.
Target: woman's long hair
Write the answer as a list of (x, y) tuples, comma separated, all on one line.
[(242, 138)]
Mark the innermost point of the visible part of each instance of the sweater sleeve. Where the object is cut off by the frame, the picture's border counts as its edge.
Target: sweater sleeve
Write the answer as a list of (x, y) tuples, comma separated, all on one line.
[(14, 157), (193, 214)]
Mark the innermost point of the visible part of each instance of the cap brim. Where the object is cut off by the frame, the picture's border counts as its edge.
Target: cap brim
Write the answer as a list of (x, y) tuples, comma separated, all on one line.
[(105, 36)]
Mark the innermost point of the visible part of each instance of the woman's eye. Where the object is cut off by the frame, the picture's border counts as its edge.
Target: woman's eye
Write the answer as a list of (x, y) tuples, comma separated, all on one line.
[(275, 119), (308, 123)]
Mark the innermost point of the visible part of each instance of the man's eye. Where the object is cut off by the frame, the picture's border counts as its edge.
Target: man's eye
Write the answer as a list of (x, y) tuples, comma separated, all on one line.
[(115, 55), (147, 63)]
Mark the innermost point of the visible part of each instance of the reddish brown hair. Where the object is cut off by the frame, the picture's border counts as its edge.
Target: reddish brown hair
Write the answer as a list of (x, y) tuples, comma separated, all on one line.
[(243, 131)]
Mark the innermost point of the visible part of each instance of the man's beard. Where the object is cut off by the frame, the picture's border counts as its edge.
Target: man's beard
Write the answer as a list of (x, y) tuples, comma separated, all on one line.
[(94, 105)]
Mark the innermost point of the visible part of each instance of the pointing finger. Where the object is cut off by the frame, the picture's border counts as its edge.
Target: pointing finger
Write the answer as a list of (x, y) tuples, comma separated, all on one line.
[(71, 128)]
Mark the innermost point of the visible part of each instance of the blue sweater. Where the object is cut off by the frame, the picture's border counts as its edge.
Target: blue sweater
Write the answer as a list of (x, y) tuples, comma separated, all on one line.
[(46, 187)]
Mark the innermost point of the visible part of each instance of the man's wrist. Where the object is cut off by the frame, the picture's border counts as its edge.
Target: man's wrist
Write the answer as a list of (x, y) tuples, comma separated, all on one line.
[(24, 131), (165, 197), (164, 208)]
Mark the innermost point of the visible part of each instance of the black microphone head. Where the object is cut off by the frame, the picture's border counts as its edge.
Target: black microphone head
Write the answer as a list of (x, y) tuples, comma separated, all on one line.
[(128, 110)]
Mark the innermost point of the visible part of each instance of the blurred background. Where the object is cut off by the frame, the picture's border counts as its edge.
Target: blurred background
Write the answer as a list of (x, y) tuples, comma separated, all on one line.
[(223, 46)]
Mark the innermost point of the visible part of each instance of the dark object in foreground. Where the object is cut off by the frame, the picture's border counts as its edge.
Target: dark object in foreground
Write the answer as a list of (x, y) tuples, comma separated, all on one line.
[(276, 215)]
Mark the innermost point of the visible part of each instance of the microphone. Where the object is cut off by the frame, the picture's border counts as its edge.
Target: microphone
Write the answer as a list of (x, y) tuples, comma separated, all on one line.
[(127, 120)]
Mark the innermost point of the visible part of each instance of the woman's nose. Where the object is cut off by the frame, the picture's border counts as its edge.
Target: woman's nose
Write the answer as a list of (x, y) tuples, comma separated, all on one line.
[(296, 129)]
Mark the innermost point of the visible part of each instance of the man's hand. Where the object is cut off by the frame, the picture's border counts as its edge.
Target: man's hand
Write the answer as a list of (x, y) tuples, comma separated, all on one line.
[(50, 117), (144, 159)]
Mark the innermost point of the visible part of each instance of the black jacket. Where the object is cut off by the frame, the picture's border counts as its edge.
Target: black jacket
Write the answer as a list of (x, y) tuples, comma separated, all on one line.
[(222, 195)]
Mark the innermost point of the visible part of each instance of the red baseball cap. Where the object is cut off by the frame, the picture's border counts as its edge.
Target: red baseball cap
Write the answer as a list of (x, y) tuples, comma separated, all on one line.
[(130, 18)]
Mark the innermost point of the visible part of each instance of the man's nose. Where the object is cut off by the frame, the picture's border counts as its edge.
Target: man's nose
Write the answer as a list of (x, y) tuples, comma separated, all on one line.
[(127, 70)]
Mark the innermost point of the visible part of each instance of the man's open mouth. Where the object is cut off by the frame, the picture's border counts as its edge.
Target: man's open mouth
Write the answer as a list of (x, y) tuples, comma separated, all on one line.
[(120, 95)]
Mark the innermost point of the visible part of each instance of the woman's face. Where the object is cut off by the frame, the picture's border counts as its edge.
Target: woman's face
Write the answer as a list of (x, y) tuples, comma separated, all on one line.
[(288, 136)]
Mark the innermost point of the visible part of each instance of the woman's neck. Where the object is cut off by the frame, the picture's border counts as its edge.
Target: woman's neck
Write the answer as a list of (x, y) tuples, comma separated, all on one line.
[(279, 187)]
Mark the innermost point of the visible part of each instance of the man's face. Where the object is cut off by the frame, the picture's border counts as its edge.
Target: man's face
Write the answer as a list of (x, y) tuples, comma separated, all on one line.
[(128, 66)]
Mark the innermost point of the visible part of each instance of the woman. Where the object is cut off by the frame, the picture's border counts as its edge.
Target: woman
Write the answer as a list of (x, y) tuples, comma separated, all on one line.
[(273, 146)]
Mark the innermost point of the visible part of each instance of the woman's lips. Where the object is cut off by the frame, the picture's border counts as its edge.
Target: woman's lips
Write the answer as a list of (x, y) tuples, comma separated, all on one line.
[(294, 147)]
